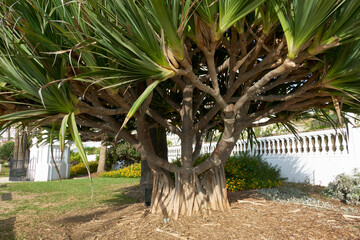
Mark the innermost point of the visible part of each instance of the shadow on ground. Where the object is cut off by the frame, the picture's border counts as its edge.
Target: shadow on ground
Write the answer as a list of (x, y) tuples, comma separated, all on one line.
[(126, 195), (122, 199), (6, 197), (90, 216), (235, 196), (7, 228)]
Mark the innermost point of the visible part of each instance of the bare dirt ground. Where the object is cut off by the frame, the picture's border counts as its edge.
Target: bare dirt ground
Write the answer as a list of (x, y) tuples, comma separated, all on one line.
[(250, 217)]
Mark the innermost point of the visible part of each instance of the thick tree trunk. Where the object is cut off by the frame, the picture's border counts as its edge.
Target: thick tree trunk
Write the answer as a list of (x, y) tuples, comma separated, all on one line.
[(197, 189), (102, 158), (190, 194), (159, 143)]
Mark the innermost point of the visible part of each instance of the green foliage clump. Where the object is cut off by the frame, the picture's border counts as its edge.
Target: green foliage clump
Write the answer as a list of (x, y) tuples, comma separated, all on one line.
[(246, 172), (132, 171), (124, 153), (75, 156), (345, 188), (92, 150), (271, 130), (80, 169), (6, 151)]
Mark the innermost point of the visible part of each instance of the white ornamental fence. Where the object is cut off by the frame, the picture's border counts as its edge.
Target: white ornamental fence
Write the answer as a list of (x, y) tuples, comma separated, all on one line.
[(314, 157)]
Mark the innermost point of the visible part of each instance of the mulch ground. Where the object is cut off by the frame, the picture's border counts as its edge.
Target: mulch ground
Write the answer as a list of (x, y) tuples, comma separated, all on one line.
[(250, 217)]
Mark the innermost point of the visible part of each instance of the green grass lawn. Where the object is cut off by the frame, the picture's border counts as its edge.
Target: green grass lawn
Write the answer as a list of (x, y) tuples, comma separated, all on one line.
[(69, 195), (4, 171)]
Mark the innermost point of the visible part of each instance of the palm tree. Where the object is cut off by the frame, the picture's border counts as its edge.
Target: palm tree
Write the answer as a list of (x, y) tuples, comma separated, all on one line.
[(112, 67)]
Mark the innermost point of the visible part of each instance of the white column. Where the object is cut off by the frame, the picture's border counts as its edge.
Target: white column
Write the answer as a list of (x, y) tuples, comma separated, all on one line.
[(337, 144), (285, 146), (317, 144)]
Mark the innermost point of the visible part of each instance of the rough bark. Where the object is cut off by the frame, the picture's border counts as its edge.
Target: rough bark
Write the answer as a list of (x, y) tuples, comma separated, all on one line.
[(159, 143), (16, 144), (190, 194), (102, 158)]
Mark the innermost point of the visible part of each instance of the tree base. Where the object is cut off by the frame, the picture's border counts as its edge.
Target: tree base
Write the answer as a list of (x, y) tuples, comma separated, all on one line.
[(190, 195)]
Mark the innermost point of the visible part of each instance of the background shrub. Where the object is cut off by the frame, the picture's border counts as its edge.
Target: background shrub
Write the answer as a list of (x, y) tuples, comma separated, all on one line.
[(246, 171), (345, 188), (6, 151), (75, 158), (131, 171), (124, 153), (80, 169)]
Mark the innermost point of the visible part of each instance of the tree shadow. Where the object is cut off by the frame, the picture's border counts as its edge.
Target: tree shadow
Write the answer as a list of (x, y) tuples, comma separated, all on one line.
[(90, 216), (123, 198), (240, 195), (6, 197), (126, 195), (293, 168), (7, 228)]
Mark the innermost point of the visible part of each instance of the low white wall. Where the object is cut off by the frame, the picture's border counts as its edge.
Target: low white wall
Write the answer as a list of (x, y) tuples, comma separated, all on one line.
[(314, 157)]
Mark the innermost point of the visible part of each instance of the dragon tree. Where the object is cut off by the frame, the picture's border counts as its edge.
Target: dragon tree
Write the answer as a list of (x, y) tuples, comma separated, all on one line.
[(86, 69)]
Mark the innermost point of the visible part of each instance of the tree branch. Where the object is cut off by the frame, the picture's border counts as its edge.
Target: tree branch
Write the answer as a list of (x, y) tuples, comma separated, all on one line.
[(154, 115), (302, 89), (85, 108), (194, 79), (288, 65), (173, 104)]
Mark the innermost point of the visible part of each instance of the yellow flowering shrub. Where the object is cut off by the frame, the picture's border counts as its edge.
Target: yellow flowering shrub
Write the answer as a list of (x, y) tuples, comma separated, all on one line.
[(132, 171), (80, 169), (246, 172)]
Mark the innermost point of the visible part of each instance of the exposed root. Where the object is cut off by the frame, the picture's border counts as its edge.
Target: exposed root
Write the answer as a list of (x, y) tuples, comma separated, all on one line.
[(190, 195)]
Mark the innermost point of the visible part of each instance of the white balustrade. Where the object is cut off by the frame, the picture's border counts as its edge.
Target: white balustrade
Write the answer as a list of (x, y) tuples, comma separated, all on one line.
[(314, 156), (338, 136)]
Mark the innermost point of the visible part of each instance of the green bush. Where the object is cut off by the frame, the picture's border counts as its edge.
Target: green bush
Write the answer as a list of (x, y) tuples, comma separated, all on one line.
[(75, 158), (345, 188), (131, 171), (92, 150), (245, 172), (80, 169), (6, 151), (124, 152)]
